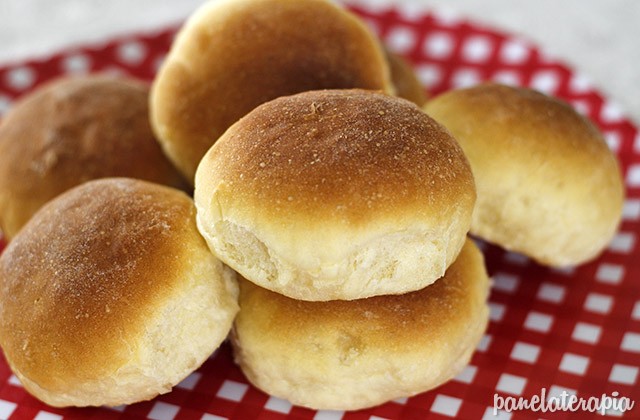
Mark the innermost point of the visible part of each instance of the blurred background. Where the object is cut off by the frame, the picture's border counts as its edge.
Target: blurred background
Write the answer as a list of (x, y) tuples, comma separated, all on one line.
[(600, 38)]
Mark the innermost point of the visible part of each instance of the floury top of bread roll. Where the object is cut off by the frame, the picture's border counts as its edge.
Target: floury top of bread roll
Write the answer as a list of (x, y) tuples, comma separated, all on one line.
[(109, 295), (70, 131), (233, 55), (336, 194), (351, 355), (548, 185)]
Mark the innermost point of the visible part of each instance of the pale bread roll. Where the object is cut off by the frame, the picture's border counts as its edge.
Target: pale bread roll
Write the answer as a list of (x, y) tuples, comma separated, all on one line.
[(109, 295), (350, 355), (548, 185)]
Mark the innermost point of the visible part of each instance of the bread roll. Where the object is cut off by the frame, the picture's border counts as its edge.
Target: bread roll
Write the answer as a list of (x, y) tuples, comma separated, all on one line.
[(233, 55), (351, 355), (404, 79), (109, 295), (548, 185), (336, 194), (70, 131)]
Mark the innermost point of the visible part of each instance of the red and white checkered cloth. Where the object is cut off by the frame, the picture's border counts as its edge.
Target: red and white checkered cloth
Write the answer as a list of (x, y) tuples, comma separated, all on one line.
[(576, 330)]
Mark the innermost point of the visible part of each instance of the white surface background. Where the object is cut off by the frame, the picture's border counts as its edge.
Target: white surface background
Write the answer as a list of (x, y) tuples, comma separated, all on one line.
[(601, 38)]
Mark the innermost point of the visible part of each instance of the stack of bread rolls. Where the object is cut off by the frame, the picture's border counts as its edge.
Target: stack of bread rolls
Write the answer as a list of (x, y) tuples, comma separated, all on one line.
[(340, 209), (329, 228)]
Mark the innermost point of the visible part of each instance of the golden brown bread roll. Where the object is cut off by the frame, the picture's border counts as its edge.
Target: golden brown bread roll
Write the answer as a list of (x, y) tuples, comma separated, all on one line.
[(548, 185), (70, 131), (404, 79), (109, 295), (356, 354), (336, 194), (233, 55)]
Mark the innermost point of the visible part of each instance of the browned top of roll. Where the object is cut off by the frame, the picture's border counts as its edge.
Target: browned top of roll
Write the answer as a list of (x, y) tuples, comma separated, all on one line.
[(232, 56), (86, 272), (70, 131), (338, 156)]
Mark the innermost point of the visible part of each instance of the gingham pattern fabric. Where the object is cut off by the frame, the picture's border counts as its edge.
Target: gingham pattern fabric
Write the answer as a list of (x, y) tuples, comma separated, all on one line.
[(574, 330)]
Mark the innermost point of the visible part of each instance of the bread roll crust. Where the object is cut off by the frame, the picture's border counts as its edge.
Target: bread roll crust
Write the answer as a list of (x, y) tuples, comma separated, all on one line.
[(110, 296), (336, 194), (70, 131), (404, 79), (548, 185), (232, 56), (347, 355)]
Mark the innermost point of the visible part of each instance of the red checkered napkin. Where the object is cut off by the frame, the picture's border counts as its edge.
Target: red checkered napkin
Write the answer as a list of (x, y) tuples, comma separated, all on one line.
[(574, 330)]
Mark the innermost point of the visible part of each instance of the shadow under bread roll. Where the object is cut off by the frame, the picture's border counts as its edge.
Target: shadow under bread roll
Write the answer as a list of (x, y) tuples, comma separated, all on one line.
[(348, 355), (110, 296), (70, 131)]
